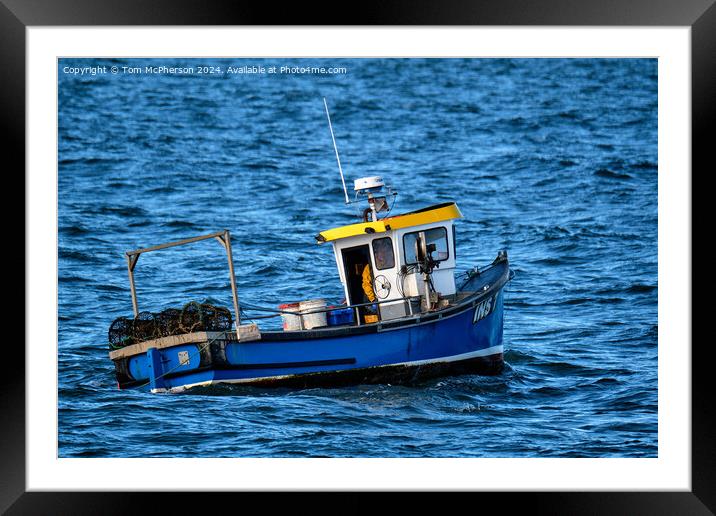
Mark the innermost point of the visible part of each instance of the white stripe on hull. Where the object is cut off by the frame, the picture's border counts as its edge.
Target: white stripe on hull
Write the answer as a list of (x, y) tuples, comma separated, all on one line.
[(494, 350)]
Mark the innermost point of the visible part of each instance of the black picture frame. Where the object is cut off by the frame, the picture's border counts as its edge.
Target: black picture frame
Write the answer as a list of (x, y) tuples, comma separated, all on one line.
[(699, 15)]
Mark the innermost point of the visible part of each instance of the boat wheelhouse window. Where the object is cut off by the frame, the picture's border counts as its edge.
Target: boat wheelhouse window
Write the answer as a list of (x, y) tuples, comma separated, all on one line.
[(383, 253), (436, 236)]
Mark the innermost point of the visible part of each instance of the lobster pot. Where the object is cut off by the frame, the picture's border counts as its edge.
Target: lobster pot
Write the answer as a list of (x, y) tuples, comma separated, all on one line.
[(313, 320), (290, 322)]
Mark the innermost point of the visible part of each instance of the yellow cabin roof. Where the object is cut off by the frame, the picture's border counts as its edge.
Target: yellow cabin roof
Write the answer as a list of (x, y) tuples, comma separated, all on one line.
[(437, 213)]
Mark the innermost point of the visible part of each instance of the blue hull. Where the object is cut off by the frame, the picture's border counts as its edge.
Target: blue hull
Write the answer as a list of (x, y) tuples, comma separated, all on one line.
[(465, 338)]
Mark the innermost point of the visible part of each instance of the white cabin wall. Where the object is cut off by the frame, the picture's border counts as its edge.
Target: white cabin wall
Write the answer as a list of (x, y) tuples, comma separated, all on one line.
[(339, 266), (391, 274), (443, 276)]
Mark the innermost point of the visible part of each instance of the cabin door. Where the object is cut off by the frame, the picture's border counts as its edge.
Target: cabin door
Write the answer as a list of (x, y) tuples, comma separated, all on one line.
[(355, 260)]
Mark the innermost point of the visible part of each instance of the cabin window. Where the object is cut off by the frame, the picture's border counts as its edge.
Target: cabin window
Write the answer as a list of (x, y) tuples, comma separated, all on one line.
[(436, 236), (383, 253)]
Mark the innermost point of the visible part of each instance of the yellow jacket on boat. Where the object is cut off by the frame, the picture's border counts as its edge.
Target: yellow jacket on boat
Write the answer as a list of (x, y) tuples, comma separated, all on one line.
[(368, 283)]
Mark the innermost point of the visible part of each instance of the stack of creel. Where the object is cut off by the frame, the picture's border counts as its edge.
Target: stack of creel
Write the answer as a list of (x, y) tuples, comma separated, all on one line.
[(145, 326)]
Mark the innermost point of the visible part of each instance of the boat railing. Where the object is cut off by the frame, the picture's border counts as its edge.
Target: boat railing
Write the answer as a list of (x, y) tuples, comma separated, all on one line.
[(355, 307)]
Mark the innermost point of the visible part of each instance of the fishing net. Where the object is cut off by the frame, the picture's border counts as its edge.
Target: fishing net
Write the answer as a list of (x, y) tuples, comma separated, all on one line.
[(216, 318), (192, 318), (222, 319), (208, 312), (144, 327), (120, 333), (172, 321), (168, 322)]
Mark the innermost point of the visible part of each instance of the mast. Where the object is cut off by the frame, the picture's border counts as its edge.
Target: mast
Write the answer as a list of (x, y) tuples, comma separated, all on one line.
[(338, 159)]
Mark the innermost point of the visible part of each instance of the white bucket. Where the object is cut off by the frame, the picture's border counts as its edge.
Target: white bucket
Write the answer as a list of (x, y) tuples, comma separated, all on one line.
[(313, 320), (290, 322)]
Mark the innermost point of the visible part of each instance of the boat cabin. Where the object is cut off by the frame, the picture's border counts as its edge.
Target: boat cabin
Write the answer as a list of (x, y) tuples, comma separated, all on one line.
[(398, 265)]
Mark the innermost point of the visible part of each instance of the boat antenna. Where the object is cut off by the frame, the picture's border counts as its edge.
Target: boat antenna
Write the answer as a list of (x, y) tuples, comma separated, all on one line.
[(338, 159)]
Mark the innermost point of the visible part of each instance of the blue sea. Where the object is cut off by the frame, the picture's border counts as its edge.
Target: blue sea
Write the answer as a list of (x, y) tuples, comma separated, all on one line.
[(554, 160)]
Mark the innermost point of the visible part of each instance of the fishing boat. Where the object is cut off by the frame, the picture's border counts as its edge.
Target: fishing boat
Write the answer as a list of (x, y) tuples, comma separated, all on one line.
[(407, 314)]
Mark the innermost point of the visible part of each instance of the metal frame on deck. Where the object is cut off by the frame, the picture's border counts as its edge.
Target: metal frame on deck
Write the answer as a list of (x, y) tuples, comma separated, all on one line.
[(223, 237)]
